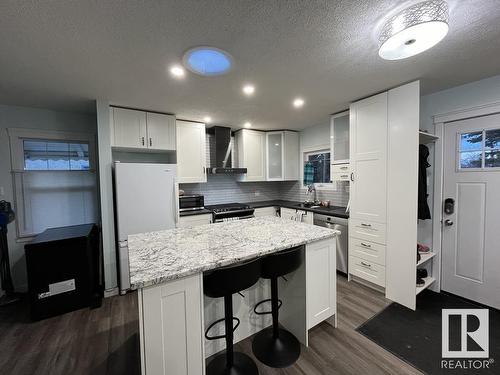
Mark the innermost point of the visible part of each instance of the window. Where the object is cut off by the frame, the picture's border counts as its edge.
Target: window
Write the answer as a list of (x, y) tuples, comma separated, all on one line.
[(479, 150), (54, 180), (316, 168), (44, 155)]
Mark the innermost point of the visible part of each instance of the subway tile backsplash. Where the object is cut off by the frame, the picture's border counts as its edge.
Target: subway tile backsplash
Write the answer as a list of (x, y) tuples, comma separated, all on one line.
[(225, 189)]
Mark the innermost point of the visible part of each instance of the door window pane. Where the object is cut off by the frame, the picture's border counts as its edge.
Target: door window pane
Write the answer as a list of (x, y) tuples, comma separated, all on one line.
[(472, 159), (492, 159), (471, 141), (492, 139)]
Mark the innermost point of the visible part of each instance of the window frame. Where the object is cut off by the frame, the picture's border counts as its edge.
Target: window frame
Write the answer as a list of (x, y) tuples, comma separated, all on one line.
[(482, 149), (17, 137), (331, 186)]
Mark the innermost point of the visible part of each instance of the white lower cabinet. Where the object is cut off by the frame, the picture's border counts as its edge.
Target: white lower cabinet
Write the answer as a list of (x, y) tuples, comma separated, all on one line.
[(297, 215), (265, 211), (171, 328), (321, 282), (194, 220), (367, 270)]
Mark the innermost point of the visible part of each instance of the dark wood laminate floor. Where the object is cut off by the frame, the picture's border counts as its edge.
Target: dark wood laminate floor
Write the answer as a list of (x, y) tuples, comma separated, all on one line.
[(105, 341)]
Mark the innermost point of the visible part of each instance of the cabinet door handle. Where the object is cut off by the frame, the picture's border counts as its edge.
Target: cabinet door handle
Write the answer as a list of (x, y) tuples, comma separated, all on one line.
[(343, 168), (142, 140), (344, 176), (352, 176), (366, 265), (204, 169), (366, 225), (365, 245), (151, 141)]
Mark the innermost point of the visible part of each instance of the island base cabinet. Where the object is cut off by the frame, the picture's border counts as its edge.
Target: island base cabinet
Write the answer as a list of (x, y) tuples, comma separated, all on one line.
[(321, 282), (171, 328)]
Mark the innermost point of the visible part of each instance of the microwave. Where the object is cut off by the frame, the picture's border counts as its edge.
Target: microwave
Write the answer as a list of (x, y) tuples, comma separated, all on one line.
[(191, 202)]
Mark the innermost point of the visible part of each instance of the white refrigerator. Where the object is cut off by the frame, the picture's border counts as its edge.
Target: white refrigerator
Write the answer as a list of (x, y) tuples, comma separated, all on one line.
[(146, 200)]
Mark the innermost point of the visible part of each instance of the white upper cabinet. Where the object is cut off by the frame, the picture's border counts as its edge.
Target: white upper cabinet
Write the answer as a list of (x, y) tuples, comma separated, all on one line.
[(161, 131), (251, 147), (191, 152), (339, 131), (129, 128), (368, 151), (144, 130), (282, 154)]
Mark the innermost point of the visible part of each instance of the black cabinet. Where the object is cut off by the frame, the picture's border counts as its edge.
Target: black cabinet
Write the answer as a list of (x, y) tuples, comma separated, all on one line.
[(65, 270)]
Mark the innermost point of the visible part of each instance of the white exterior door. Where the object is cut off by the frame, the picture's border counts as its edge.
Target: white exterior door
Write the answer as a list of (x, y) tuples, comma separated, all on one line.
[(161, 131), (368, 147), (191, 152), (471, 234)]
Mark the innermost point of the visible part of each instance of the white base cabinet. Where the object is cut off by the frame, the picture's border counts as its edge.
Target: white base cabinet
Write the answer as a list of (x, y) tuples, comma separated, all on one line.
[(171, 327), (194, 220), (297, 215), (321, 282), (265, 211)]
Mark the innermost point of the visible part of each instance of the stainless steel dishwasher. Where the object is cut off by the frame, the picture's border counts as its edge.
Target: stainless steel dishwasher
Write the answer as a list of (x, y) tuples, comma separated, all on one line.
[(340, 224)]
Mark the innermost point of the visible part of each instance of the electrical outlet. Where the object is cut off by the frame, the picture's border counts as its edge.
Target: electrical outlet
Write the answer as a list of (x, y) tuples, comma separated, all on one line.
[(257, 193)]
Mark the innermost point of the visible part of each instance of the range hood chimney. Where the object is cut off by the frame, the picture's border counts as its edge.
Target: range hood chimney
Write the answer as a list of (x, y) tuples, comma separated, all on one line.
[(223, 159)]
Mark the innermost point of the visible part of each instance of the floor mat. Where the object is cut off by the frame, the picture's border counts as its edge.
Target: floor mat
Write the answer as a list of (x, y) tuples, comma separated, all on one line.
[(415, 336)]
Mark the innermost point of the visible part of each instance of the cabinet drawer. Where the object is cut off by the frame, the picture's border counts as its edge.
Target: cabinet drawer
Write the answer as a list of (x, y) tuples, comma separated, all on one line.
[(367, 230), (367, 250), (366, 270), (343, 176), (341, 168)]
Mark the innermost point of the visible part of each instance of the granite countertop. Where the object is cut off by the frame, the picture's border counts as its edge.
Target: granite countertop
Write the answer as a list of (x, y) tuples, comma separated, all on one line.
[(333, 210), (158, 257)]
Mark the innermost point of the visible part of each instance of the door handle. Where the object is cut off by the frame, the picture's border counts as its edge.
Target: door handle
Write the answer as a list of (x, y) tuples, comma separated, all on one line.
[(448, 222), (142, 140), (352, 176), (150, 141)]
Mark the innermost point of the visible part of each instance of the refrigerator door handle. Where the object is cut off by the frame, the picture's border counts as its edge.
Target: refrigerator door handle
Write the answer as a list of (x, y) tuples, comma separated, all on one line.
[(176, 200)]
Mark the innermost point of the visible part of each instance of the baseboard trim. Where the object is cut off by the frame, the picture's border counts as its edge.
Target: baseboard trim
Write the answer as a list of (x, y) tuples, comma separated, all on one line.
[(111, 292)]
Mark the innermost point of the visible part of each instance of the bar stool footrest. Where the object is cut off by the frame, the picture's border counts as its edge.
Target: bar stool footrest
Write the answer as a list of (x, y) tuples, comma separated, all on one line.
[(280, 302), (217, 322)]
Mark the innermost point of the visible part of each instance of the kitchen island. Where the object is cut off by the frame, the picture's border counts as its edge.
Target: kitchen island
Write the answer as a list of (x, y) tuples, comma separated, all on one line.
[(167, 268)]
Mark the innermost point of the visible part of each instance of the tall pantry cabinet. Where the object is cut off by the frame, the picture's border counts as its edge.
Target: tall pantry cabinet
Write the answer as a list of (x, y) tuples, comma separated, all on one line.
[(383, 191)]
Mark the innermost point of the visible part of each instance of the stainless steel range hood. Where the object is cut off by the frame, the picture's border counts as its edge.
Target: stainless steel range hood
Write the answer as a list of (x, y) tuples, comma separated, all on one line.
[(223, 160)]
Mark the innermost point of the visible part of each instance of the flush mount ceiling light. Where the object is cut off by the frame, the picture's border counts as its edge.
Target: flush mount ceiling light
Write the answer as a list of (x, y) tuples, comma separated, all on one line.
[(207, 61), (247, 125), (207, 119), (414, 30)]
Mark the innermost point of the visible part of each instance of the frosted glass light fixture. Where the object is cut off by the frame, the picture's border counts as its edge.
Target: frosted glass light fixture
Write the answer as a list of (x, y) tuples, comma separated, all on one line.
[(208, 61), (414, 30)]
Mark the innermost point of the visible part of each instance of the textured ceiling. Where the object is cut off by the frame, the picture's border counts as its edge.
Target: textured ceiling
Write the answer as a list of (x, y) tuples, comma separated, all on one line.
[(63, 54)]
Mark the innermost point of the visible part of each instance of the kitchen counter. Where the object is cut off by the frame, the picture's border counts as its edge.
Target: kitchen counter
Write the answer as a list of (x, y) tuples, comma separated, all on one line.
[(158, 257), (332, 211)]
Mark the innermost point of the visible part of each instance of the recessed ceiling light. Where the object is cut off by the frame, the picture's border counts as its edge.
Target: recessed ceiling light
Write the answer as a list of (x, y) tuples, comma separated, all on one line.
[(298, 103), (248, 89), (247, 124), (207, 119), (207, 61), (177, 71), (414, 30)]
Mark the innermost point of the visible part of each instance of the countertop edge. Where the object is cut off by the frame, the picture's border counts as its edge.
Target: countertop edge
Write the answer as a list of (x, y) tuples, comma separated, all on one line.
[(208, 267)]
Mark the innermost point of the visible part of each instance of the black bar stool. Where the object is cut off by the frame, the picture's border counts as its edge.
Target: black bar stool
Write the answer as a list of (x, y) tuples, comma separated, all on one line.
[(224, 282), (275, 346)]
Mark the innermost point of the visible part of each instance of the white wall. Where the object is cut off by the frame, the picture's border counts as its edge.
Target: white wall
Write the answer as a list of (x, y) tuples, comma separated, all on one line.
[(465, 96), (31, 118)]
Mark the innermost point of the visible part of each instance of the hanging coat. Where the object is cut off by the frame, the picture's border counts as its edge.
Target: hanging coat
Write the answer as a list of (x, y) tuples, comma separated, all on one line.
[(423, 208)]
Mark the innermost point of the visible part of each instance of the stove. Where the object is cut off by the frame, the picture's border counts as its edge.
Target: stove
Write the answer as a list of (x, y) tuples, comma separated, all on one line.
[(230, 212)]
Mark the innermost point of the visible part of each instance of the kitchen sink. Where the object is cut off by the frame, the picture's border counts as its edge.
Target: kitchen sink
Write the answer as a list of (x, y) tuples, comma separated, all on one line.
[(308, 205)]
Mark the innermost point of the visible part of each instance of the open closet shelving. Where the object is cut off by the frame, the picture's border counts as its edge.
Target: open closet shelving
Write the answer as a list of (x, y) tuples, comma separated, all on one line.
[(427, 138)]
